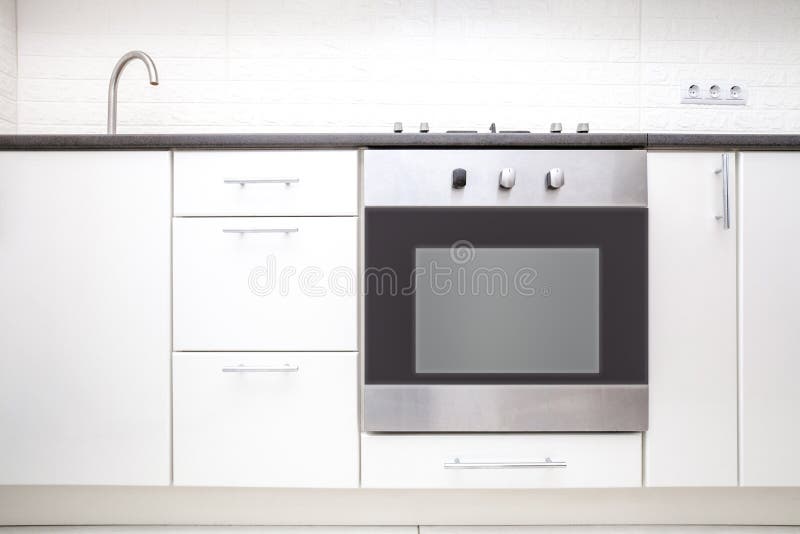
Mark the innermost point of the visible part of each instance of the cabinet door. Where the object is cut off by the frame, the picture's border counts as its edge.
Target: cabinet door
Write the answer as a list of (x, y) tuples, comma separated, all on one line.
[(692, 439), (276, 419), (769, 320), (84, 318), (265, 283), (503, 461)]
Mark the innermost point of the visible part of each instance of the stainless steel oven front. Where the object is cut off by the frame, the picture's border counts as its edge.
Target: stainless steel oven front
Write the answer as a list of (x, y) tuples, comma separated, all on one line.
[(505, 290)]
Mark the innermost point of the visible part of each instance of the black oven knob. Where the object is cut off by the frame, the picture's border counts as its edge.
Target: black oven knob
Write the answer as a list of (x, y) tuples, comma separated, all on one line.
[(459, 178)]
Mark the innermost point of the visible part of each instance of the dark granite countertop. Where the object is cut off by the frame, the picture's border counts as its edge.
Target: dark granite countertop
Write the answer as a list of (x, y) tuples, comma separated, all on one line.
[(319, 140), (729, 141), (406, 140)]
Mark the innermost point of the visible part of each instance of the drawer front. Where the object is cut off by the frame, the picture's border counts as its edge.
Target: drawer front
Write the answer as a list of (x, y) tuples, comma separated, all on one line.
[(501, 461), (265, 419), (269, 283), (242, 183)]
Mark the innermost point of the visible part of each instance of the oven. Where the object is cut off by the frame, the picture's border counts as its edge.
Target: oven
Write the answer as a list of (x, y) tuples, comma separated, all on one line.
[(505, 291)]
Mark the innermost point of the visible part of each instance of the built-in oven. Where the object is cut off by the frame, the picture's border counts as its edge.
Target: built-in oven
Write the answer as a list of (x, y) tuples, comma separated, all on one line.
[(505, 290)]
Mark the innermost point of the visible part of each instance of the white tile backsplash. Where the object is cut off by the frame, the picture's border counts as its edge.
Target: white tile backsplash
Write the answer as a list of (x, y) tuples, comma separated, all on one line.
[(8, 67), (360, 65)]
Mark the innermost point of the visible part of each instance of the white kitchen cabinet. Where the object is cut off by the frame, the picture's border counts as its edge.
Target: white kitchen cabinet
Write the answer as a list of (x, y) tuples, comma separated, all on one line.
[(85, 318), (587, 460), (266, 419), (266, 182), (692, 436), (265, 283), (769, 318)]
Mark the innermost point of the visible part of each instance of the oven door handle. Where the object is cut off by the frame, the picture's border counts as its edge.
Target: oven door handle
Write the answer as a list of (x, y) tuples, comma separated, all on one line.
[(458, 463)]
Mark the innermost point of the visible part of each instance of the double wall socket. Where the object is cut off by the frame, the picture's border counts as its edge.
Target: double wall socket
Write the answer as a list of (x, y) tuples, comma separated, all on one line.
[(714, 92)]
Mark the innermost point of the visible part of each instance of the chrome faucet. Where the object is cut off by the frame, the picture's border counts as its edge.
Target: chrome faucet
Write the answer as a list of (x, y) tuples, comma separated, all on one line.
[(114, 82)]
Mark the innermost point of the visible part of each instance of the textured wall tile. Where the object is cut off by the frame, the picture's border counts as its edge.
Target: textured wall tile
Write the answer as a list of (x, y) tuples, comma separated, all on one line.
[(8, 67), (358, 65)]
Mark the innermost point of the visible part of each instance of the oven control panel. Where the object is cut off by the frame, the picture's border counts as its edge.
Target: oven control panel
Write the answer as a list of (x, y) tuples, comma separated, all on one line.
[(505, 178)]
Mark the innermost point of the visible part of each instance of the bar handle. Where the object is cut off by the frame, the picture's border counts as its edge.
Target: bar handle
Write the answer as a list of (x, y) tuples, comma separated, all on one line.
[(241, 368), (726, 197), (245, 181), (458, 463), (260, 230)]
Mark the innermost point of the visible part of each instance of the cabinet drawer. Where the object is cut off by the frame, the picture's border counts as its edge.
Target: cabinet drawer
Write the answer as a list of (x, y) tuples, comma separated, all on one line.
[(265, 419), (501, 461), (269, 283), (219, 183)]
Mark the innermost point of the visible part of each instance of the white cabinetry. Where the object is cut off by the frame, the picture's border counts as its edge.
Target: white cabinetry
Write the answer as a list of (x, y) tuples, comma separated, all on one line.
[(588, 460), (85, 318), (282, 283), (266, 182), (770, 320), (265, 262), (692, 439), (266, 419)]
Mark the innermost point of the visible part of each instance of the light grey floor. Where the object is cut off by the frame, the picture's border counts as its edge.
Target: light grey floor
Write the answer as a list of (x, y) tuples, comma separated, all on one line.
[(408, 530)]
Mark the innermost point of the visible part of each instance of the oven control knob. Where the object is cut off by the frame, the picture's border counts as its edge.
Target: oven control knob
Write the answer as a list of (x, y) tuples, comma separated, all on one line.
[(555, 178), (459, 178), (508, 177)]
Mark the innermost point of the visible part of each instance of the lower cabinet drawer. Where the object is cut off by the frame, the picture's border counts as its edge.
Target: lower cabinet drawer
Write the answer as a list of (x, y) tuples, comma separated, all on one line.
[(265, 283), (501, 461), (265, 419)]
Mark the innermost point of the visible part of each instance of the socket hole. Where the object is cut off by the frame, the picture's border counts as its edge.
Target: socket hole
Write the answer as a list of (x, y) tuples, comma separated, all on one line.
[(694, 91), (736, 92), (714, 91)]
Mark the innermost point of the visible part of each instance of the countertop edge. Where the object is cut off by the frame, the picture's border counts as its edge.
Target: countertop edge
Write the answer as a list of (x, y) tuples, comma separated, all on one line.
[(317, 141), (401, 141)]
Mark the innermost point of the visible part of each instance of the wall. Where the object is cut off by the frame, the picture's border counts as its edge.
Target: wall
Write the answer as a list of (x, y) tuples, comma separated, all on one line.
[(360, 65), (8, 67)]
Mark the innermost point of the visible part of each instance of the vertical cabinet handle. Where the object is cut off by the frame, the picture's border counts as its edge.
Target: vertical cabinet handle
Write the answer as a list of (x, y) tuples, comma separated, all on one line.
[(726, 197)]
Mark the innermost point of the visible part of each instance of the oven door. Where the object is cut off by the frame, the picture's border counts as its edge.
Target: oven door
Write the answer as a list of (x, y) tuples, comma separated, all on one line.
[(505, 319)]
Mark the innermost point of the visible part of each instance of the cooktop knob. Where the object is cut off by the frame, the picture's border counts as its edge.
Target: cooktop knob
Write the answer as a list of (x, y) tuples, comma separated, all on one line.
[(398, 127), (459, 178), (583, 127), (555, 178), (508, 177), (555, 127), (424, 128)]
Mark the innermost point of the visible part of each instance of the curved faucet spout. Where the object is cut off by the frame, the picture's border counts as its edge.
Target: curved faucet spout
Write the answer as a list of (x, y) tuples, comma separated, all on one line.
[(114, 82)]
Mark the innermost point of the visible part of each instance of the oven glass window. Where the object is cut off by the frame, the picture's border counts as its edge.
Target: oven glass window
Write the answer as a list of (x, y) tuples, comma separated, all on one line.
[(507, 310)]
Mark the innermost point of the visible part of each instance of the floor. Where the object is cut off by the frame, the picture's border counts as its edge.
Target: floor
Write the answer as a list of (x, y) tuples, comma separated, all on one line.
[(407, 530)]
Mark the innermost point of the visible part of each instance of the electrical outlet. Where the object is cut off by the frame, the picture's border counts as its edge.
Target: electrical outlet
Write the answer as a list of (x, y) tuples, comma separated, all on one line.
[(713, 92)]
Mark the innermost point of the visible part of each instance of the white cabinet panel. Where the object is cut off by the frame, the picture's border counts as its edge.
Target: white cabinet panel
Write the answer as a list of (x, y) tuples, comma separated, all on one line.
[(418, 460), (277, 290), (266, 419), (692, 437), (264, 182), (769, 321), (85, 318)]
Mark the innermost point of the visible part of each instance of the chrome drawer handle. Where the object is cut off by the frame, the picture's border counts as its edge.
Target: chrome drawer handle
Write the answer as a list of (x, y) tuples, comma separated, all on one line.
[(244, 181), (285, 368), (456, 463), (260, 230)]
